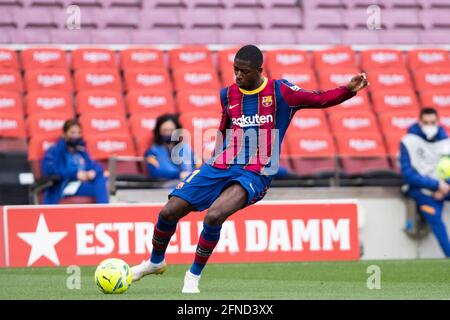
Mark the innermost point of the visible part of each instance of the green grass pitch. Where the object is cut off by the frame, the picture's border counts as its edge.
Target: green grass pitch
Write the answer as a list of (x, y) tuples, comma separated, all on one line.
[(400, 279)]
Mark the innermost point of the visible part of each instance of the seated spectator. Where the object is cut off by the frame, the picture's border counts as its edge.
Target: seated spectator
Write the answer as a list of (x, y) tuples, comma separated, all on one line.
[(420, 151), (162, 163), (79, 174)]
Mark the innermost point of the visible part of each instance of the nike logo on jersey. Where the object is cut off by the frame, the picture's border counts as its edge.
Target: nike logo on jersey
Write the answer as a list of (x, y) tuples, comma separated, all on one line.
[(234, 105)]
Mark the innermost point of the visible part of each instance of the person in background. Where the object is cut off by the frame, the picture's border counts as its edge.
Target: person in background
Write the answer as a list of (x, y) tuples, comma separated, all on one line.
[(79, 174), (161, 164), (420, 151)]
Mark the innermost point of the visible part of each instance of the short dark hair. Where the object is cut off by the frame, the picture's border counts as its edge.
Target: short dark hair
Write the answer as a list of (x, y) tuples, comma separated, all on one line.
[(70, 123), (251, 53), (428, 110), (159, 122)]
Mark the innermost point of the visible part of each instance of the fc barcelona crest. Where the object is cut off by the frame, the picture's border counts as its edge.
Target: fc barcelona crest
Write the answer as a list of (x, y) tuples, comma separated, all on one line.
[(267, 101)]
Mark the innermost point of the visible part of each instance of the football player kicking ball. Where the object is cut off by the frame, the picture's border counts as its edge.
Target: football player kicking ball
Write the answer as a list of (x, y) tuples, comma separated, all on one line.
[(236, 176)]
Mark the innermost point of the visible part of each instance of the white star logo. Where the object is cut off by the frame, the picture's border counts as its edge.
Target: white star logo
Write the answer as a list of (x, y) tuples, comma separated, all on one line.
[(42, 242)]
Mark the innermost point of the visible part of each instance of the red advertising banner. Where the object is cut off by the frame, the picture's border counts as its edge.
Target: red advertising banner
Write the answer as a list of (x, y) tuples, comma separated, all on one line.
[(271, 231)]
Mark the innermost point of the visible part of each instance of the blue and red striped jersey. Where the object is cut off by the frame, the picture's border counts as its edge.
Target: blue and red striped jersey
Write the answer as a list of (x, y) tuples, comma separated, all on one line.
[(254, 123)]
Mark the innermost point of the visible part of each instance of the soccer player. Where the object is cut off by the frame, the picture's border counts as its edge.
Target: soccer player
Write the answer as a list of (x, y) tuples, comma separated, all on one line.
[(254, 110)]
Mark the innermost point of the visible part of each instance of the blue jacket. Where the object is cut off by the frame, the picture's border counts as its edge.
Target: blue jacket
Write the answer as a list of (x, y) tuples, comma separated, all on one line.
[(55, 163), (409, 174), (161, 166)]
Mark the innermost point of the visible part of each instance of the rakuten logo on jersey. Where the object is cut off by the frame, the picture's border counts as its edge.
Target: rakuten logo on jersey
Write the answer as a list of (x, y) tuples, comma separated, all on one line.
[(46, 56), (142, 57), (149, 80), (384, 57), (433, 57), (192, 57), (340, 79), (306, 123), (99, 79), (391, 79), (355, 123), (7, 79), (197, 78), (51, 79), (335, 58), (7, 103), (397, 101), (403, 122), (8, 124), (105, 124), (5, 56), (94, 57), (312, 145), (442, 101), (111, 146), (251, 121), (289, 59), (51, 124), (148, 123), (202, 100), (437, 78), (50, 103), (152, 101), (102, 102), (362, 144)]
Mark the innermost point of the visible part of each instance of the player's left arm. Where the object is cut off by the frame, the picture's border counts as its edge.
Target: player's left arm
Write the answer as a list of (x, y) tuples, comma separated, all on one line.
[(299, 98)]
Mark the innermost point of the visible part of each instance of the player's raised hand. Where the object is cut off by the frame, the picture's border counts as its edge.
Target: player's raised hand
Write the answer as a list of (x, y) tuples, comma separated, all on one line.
[(358, 82)]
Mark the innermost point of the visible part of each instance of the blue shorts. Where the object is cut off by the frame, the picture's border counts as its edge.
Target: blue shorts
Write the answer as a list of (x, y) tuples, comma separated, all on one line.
[(204, 185)]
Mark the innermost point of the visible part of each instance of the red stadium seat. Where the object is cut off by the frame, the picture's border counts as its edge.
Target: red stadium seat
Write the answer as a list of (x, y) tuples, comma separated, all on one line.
[(103, 146), (100, 100), (142, 125), (95, 123), (47, 123), (444, 119), (226, 58), (153, 100), (10, 103), (190, 57), (48, 79), (137, 79), (312, 153), (423, 58), (198, 99), (432, 78), (305, 78), (358, 102), (289, 58), (393, 143), (382, 58), (12, 126), (362, 153), (93, 58), (141, 58), (48, 101), (142, 144), (309, 120), (384, 100), (338, 57), (439, 99), (8, 59), (98, 79), (10, 79), (39, 144), (193, 78), (41, 58), (389, 78), (353, 121), (330, 78), (394, 121)]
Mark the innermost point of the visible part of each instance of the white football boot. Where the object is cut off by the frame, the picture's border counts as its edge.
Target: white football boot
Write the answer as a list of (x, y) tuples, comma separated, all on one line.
[(146, 268), (190, 283)]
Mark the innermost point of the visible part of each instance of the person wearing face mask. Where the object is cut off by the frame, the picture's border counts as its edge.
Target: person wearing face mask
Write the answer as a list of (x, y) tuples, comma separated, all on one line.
[(79, 174), (420, 151), (161, 162)]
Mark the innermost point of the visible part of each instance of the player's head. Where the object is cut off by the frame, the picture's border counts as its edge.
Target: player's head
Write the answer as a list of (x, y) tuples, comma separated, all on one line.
[(429, 121), (164, 127), (248, 66)]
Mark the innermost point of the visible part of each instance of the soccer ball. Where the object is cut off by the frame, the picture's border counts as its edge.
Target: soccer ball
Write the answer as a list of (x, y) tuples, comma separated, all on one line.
[(443, 168), (113, 276)]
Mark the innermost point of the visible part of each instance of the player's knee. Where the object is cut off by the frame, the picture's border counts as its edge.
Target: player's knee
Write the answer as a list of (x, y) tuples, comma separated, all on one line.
[(168, 213), (214, 218)]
